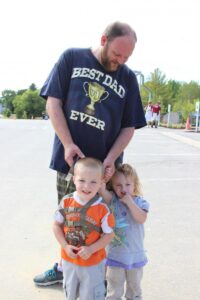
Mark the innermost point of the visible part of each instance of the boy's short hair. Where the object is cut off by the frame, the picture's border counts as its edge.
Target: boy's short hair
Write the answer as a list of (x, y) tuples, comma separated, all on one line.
[(89, 162)]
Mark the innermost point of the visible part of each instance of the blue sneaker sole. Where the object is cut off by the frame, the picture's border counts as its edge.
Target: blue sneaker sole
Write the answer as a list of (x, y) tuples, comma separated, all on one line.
[(48, 283)]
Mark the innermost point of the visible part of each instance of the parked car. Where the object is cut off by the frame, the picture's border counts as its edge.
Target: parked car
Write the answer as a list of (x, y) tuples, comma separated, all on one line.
[(45, 116), (193, 116)]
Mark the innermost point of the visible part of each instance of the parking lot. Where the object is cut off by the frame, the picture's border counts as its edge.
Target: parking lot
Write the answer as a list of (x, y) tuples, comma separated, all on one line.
[(168, 163)]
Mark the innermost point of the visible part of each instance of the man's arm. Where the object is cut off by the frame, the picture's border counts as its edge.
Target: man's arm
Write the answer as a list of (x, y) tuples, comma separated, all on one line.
[(118, 147), (55, 112)]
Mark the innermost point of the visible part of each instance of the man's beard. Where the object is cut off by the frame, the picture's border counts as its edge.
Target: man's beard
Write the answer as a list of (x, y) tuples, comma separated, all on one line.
[(108, 65)]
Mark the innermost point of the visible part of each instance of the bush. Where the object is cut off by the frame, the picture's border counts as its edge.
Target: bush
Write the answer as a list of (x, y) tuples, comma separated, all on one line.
[(173, 126), (28, 105), (7, 112)]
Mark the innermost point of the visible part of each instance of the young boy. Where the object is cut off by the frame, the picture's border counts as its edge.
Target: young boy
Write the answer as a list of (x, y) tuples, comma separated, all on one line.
[(83, 227)]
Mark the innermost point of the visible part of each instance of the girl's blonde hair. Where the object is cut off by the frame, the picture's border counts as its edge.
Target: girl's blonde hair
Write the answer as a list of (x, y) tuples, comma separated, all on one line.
[(128, 170)]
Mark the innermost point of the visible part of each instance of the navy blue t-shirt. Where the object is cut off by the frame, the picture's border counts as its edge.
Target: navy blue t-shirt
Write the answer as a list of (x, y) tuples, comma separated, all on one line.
[(96, 103)]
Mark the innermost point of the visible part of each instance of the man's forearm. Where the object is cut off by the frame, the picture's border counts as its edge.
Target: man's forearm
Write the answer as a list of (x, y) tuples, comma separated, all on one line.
[(121, 143), (55, 112), (102, 242)]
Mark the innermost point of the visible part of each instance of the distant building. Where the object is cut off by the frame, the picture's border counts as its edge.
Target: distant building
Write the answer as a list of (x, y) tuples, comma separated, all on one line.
[(174, 118)]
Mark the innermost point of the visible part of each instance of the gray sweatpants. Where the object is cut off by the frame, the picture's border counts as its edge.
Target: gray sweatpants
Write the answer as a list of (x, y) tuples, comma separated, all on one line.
[(87, 283)]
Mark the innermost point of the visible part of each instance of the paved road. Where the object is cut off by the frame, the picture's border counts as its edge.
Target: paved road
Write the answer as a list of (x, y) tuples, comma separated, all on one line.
[(168, 162)]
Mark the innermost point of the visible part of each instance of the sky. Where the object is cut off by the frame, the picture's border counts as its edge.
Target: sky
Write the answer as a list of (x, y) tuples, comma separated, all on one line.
[(35, 32)]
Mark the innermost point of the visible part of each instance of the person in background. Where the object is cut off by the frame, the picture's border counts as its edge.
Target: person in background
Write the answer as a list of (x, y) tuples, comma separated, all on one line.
[(148, 113), (155, 115), (94, 104), (126, 256)]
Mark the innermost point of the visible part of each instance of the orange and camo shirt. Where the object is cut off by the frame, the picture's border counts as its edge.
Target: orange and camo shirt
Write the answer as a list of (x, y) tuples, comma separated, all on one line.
[(97, 214)]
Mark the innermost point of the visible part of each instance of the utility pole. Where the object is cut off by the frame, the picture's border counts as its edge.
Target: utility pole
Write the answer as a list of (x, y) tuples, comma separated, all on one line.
[(141, 83)]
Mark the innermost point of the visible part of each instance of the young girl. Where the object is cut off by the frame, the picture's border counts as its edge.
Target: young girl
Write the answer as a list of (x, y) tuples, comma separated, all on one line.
[(125, 254)]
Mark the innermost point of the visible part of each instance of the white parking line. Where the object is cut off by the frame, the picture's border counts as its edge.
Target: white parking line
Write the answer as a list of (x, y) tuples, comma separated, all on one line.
[(165, 154), (182, 139), (172, 179)]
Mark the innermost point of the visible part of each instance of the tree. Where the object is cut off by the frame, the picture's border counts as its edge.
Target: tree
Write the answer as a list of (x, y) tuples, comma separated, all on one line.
[(185, 99), (7, 112), (20, 92), (185, 108), (7, 100), (29, 105), (173, 88), (189, 91), (157, 84), (32, 87)]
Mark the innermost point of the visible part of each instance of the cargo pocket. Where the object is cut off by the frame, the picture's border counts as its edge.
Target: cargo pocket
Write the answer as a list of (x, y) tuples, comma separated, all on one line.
[(99, 292)]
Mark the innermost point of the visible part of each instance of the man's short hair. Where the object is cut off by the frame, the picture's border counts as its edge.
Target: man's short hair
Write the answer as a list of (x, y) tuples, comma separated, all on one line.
[(118, 29)]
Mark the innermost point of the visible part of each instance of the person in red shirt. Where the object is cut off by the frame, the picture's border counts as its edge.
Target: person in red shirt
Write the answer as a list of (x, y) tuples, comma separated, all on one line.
[(155, 115)]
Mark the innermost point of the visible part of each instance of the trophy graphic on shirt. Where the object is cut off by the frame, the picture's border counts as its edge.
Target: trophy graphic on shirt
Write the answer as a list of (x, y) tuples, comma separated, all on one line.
[(96, 93)]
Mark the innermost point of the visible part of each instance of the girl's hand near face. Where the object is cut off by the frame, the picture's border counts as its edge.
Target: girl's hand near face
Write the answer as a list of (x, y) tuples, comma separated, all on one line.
[(127, 199), (138, 214)]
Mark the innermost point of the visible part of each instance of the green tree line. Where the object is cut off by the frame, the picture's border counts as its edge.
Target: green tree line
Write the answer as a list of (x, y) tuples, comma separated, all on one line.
[(25, 104), (180, 95)]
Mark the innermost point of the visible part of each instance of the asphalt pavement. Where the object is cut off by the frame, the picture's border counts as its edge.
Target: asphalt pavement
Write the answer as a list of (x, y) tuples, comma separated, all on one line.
[(168, 163)]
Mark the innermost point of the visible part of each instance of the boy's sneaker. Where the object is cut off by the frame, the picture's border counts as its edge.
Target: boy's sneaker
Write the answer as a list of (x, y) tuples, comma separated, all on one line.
[(49, 277)]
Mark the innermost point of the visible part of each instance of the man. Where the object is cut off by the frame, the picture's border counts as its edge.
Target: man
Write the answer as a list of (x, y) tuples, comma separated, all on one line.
[(155, 115), (94, 104)]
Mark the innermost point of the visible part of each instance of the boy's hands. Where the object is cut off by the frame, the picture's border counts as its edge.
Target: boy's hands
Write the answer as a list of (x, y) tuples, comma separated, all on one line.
[(71, 251), (85, 252)]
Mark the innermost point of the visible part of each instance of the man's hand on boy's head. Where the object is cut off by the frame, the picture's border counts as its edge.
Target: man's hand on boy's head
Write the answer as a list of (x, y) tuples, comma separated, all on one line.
[(109, 169), (72, 151), (108, 173)]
